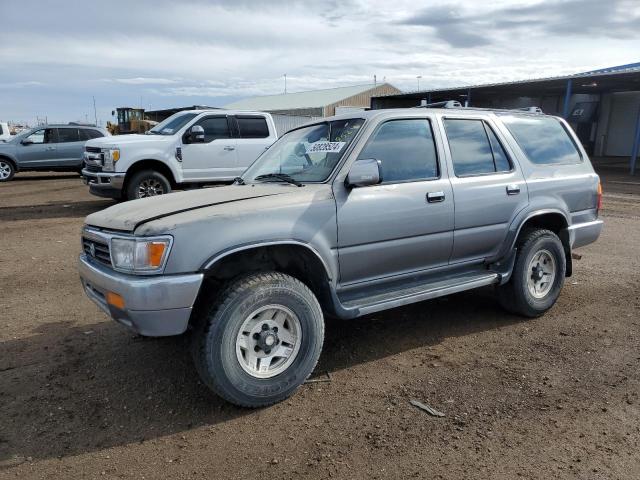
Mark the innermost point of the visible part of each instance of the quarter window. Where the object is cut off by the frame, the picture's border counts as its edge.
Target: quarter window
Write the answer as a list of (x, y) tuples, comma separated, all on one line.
[(406, 150), (253, 127), (475, 149), (543, 139), (214, 128)]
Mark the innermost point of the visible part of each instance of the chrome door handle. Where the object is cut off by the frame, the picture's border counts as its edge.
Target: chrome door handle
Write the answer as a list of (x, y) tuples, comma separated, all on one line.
[(435, 197), (51, 148), (229, 148), (513, 189)]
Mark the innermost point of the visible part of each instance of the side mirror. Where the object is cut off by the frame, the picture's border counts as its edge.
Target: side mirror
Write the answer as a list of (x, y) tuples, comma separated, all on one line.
[(26, 141), (196, 134), (364, 173)]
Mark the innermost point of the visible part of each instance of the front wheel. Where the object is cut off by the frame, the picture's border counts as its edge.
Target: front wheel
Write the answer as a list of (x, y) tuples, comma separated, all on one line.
[(538, 274), (147, 183), (260, 341), (7, 170)]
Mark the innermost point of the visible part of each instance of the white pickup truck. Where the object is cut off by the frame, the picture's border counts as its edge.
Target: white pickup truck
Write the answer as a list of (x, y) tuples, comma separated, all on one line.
[(5, 134), (190, 148)]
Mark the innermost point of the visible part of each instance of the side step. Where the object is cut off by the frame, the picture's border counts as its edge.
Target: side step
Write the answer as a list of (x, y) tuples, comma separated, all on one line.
[(406, 294)]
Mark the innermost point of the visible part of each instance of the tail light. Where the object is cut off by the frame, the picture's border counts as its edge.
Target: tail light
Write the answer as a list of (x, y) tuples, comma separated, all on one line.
[(599, 202)]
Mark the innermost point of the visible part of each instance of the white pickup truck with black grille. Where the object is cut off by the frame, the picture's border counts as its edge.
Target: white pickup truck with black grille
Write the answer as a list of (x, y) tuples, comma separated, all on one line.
[(189, 148)]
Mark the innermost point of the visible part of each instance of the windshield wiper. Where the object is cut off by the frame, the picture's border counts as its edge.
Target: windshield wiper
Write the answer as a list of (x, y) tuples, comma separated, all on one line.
[(279, 176)]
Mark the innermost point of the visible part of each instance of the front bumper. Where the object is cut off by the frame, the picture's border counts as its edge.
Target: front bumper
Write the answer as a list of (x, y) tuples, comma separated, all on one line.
[(104, 184), (581, 234), (154, 306)]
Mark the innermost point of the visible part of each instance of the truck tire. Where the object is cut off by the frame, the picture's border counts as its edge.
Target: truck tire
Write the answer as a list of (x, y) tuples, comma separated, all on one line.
[(7, 170), (260, 340), (147, 183), (538, 274)]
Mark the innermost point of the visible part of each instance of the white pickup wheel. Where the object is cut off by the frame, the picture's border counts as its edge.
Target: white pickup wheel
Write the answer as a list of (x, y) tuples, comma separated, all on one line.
[(147, 183)]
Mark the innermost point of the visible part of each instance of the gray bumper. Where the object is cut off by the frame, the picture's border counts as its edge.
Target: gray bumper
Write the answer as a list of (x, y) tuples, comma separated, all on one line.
[(155, 306), (585, 233), (103, 180)]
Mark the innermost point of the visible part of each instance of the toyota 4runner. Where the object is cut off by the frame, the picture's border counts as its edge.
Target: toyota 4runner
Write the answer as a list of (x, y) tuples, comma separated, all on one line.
[(345, 217)]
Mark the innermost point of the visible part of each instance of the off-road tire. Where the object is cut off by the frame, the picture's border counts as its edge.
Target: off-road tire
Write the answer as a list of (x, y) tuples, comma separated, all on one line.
[(217, 326), (7, 166), (515, 296), (138, 179)]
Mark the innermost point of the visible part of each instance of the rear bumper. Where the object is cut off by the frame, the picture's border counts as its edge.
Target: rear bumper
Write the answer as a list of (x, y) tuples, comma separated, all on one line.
[(581, 234), (154, 306), (104, 184)]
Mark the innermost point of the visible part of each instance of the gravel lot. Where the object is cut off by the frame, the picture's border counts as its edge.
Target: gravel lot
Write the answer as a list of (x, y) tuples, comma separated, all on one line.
[(555, 397)]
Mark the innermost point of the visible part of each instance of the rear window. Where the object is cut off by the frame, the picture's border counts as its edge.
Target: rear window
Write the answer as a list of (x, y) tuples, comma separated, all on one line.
[(88, 134), (543, 139), (253, 127)]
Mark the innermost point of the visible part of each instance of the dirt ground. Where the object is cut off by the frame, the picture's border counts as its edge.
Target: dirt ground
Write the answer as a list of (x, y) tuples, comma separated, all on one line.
[(555, 397)]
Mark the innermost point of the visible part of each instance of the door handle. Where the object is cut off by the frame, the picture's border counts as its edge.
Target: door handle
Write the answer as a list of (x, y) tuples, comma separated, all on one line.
[(229, 148), (435, 197), (51, 148), (513, 189)]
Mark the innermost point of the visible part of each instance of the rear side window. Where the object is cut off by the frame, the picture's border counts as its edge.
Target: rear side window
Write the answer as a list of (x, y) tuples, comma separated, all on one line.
[(253, 127), (66, 135), (88, 134), (214, 128), (1, 131), (475, 149), (543, 139), (405, 149)]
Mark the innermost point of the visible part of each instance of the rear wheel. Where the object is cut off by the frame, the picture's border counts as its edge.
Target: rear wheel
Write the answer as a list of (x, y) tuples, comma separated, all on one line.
[(7, 170), (260, 341), (538, 274), (147, 183)]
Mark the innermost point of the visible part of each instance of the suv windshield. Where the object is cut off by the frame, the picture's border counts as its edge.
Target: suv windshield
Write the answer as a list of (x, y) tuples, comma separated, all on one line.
[(172, 124), (307, 154)]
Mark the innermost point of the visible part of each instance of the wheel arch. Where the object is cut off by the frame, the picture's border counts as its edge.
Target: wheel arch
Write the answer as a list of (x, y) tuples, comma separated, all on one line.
[(11, 160), (550, 219), (295, 258), (150, 164)]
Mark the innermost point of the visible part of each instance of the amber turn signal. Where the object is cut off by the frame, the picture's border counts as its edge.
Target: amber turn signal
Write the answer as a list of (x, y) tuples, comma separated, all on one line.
[(115, 300)]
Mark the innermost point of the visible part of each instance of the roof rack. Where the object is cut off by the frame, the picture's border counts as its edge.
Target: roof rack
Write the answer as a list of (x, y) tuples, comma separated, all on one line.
[(447, 104)]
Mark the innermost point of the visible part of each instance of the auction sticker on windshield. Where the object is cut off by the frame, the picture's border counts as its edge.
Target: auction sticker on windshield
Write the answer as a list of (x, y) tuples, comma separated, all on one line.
[(325, 147)]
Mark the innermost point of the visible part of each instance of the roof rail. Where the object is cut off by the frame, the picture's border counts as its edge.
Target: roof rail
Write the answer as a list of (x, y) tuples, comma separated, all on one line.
[(447, 104), (530, 109)]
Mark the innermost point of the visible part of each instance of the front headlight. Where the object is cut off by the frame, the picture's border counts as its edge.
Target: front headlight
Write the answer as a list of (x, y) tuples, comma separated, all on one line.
[(140, 255), (111, 156)]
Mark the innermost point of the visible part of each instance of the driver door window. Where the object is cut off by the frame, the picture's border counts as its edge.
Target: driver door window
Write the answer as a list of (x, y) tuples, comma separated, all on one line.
[(44, 135), (216, 157)]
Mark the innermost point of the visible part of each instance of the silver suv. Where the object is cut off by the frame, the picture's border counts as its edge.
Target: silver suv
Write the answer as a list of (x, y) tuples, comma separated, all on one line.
[(47, 148), (345, 217)]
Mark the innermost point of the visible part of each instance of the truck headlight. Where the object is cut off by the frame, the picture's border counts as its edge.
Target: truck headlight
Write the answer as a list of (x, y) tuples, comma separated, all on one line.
[(140, 255), (111, 156)]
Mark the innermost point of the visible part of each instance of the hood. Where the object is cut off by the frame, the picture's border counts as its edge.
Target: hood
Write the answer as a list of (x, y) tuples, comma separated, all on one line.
[(127, 216), (117, 140)]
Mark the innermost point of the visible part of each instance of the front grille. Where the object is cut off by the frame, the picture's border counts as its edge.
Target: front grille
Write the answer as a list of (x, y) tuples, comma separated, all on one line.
[(93, 168), (93, 149), (96, 250)]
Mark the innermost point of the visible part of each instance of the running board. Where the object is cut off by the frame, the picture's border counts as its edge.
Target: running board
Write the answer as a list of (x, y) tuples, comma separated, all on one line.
[(418, 293)]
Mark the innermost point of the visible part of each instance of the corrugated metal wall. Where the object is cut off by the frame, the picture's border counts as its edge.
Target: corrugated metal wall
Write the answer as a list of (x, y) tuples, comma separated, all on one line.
[(284, 123), (362, 99)]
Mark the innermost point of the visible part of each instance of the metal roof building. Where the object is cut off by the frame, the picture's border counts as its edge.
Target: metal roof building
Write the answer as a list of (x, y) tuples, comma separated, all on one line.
[(603, 106), (315, 103)]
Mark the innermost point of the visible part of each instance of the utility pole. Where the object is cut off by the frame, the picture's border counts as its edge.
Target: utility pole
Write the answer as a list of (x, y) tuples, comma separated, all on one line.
[(418, 78), (95, 113), (285, 83)]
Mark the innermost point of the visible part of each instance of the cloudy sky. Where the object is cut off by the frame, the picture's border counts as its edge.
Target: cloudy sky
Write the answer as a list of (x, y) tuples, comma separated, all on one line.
[(54, 56)]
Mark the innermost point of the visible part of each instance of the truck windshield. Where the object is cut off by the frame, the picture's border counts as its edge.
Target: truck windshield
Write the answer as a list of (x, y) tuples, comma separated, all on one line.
[(172, 124), (307, 154)]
